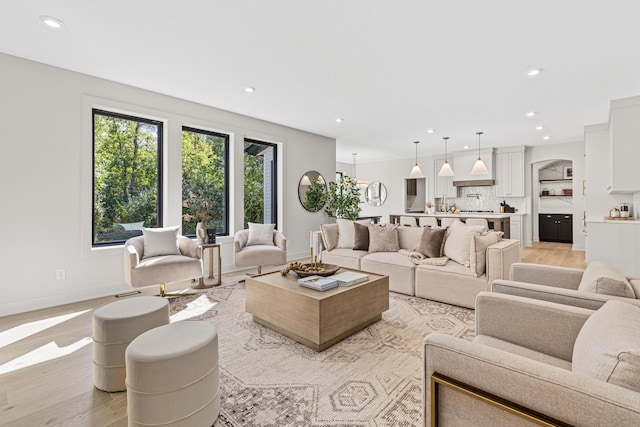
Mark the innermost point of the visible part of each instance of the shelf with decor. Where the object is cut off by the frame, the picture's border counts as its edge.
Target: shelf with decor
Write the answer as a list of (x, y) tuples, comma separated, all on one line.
[(555, 180), (551, 196)]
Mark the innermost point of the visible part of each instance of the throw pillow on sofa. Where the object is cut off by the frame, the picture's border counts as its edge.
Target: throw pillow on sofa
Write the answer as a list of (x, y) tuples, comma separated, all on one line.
[(432, 242), (361, 237), (383, 238), (329, 234), (607, 347), (478, 250), (458, 241), (346, 233), (604, 278)]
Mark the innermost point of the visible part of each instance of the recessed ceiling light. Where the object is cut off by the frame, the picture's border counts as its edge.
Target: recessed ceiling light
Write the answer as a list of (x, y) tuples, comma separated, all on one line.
[(52, 22), (546, 137), (466, 147), (431, 130), (339, 120), (539, 127), (531, 113), (534, 72), (249, 89)]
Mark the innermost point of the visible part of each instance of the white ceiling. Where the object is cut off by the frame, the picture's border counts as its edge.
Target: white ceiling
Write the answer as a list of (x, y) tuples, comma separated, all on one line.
[(391, 69)]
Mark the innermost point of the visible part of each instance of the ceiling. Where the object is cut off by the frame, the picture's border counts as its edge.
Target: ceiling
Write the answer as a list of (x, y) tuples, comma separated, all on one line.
[(391, 69)]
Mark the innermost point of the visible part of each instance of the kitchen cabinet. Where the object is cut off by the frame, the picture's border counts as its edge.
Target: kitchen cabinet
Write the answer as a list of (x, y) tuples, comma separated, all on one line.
[(463, 162), (516, 228), (624, 133), (443, 185), (555, 228), (510, 174)]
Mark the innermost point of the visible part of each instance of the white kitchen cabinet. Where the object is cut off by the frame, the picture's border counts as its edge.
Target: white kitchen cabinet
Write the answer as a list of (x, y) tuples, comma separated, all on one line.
[(510, 174), (624, 134), (516, 223), (443, 185)]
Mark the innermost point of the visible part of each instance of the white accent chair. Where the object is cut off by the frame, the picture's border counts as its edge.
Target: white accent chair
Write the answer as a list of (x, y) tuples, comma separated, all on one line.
[(408, 221), (259, 255), (159, 270), (427, 221)]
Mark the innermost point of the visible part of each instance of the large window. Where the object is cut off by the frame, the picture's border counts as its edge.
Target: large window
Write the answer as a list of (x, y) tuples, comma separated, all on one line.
[(127, 178), (205, 194), (260, 183)]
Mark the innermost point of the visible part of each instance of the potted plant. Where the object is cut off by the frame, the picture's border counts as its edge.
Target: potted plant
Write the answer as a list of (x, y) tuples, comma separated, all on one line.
[(343, 199), (315, 196), (199, 209)]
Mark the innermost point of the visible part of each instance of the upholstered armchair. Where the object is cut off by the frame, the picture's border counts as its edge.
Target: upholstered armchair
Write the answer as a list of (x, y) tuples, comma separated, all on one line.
[(164, 257), (588, 288), (259, 245), (536, 360)]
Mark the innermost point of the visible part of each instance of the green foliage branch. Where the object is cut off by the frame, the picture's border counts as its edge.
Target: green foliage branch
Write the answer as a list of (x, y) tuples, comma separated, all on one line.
[(343, 199)]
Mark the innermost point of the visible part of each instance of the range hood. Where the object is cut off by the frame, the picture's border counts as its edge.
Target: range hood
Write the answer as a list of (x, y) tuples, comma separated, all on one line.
[(463, 163), (474, 183)]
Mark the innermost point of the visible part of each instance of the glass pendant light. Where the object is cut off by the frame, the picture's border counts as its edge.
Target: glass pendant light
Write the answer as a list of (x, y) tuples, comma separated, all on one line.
[(416, 172), (445, 170), (479, 168)]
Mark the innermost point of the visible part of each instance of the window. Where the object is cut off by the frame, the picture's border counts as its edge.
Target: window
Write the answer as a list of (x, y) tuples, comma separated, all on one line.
[(260, 182), (205, 185), (127, 177)]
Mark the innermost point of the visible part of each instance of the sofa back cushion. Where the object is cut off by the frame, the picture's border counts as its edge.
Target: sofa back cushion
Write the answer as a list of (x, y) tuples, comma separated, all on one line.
[(432, 242), (383, 238), (329, 235), (458, 241), (607, 347), (604, 278)]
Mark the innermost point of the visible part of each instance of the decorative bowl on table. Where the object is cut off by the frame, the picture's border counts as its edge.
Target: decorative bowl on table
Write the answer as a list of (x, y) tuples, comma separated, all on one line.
[(322, 270)]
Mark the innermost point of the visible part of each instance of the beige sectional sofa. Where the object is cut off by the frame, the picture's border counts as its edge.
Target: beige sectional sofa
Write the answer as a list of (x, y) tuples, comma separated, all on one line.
[(452, 283)]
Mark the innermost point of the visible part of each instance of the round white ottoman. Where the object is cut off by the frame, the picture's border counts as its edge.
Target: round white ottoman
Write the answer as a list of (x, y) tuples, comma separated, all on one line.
[(114, 326), (172, 376)]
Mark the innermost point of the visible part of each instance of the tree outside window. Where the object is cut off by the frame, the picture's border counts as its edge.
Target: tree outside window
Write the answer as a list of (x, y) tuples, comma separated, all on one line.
[(260, 182), (204, 180), (126, 176)]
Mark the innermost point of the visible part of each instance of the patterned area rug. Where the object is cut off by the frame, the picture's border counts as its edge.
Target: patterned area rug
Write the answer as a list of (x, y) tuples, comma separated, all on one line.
[(372, 378)]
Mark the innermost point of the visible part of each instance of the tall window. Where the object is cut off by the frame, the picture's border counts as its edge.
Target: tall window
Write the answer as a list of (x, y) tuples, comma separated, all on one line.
[(205, 185), (260, 182), (127, 178)]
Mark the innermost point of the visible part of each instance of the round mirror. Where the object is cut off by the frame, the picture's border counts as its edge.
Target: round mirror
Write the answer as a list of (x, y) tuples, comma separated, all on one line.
[(312, 191), (375, 194)]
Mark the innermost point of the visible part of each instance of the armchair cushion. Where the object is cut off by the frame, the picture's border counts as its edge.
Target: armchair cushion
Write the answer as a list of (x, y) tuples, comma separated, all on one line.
[(260, 234), (608, 345), (160, 241), (604, 278)]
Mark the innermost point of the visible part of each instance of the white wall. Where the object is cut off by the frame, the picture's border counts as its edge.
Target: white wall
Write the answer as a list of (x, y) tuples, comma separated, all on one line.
[(45, 179)]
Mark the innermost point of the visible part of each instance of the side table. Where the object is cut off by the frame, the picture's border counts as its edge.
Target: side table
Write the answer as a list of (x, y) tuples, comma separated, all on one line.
[(201, 284)]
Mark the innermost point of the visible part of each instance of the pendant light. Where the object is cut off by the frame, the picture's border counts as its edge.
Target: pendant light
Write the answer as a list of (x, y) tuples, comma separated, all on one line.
[(416, 172), (479, 168), (360, 182), (445, 170)]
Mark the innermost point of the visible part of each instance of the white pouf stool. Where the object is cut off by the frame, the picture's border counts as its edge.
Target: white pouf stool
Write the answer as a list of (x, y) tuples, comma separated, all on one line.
[(115, 325), (172, 376)]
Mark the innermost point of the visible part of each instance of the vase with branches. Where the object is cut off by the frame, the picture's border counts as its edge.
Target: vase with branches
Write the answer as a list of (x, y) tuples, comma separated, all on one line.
[(198, 209)]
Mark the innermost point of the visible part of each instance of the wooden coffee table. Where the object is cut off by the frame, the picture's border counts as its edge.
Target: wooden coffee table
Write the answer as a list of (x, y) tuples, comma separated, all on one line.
[(313, 318)]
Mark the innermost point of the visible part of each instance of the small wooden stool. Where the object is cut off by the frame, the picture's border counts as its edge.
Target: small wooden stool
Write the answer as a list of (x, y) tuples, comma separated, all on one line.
[(173, 376), (114, 326)]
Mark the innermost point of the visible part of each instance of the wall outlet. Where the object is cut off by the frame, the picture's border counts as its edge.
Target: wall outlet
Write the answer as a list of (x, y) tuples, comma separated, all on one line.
[(61, 274)]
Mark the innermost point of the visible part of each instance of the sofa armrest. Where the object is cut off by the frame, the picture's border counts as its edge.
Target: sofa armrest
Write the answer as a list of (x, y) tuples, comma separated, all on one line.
[(559, 277), (500, 256), (506, 317), (280, 240), (549, 390), (189, 247)]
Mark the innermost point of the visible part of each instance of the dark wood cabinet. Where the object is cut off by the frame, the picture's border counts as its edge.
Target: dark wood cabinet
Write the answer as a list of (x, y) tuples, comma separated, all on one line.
[(555, 228), (412, 187)]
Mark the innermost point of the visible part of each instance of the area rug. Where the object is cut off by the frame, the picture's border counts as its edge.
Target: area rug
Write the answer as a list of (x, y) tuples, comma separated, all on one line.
[(372, 378)]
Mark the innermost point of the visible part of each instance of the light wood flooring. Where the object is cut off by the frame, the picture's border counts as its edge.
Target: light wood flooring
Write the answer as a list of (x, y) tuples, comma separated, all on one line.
[(59, 391)]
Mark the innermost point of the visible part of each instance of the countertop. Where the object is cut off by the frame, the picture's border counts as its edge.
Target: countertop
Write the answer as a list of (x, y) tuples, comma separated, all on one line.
[(460, 215)]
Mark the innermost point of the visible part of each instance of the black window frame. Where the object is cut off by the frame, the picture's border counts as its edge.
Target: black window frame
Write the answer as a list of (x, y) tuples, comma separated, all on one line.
[(274, 174), (160, 175), (227, 139)]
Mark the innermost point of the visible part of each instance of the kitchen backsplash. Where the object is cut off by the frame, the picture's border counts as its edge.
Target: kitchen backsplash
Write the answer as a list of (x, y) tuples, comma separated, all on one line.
[(482, 198)]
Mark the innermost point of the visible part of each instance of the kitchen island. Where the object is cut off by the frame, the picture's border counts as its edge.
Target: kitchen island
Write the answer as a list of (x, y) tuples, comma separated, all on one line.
[(496, 221)]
